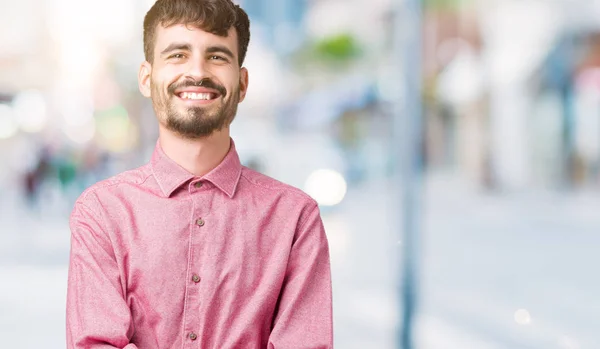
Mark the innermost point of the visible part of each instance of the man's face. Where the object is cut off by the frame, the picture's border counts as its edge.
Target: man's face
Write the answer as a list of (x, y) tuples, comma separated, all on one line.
[(195, 81)]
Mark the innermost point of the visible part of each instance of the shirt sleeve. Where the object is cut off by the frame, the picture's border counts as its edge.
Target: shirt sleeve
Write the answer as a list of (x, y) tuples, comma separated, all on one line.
[(97, 313), (303, 318)]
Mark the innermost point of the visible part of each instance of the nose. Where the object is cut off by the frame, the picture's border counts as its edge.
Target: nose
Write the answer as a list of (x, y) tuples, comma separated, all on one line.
[(197, 69)]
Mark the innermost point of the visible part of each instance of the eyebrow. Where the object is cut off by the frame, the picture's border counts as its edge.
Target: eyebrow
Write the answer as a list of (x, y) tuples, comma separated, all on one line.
[(220, 49), (176, 46)]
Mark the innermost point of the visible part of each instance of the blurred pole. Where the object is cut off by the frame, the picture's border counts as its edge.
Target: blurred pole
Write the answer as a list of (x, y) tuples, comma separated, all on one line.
[(408, 151), (568, 138)]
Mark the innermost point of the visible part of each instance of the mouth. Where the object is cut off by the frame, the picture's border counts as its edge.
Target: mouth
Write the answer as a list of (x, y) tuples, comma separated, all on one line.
[(203, 96)]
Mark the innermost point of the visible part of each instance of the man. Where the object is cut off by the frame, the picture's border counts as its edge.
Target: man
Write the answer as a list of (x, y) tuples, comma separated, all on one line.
[(194, 250)]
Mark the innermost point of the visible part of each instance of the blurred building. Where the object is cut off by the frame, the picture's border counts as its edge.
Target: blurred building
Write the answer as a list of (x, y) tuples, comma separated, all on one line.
[(279, 22)]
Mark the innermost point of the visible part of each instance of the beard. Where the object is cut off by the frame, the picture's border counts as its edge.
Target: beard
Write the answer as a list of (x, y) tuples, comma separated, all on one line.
[(195, 122)]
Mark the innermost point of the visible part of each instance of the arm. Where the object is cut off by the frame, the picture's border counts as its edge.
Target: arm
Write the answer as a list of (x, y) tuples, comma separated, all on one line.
[(97, 314), (303, 317)]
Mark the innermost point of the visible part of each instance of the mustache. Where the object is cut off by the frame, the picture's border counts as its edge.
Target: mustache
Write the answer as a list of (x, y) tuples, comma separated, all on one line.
[(206, 82)]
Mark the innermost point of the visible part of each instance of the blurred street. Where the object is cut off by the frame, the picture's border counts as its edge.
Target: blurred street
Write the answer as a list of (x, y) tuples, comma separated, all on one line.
[(490, 264)]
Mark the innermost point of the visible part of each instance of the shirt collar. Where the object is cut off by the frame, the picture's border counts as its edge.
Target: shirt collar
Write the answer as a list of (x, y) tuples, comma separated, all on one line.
[(170, 176)]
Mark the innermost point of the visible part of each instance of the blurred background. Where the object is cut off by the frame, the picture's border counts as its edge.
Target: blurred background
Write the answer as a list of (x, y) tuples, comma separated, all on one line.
[(507, 192)]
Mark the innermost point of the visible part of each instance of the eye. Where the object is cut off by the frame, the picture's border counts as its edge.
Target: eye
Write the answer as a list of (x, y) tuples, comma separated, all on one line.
[(219, 58), (177, 56)]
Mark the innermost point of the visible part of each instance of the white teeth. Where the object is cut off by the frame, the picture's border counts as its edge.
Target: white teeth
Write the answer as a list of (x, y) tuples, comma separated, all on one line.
[(192, 95)]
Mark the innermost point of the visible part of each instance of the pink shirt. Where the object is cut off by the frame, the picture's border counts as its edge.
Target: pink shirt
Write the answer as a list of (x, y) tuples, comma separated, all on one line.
[(163, 259)]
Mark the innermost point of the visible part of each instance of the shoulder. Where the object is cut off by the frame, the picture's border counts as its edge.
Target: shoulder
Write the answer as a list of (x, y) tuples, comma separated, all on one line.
[(270, 186), (134, 177)]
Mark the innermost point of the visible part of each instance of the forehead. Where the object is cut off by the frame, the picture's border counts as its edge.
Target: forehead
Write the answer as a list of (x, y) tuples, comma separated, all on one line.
[(195, 37)]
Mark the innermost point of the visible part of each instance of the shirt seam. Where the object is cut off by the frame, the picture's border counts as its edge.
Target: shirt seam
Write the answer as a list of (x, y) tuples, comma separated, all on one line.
[(306, 218)]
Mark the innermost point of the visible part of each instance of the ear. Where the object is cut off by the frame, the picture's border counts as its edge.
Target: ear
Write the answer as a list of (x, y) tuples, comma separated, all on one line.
[(243, 83), (144, 77)]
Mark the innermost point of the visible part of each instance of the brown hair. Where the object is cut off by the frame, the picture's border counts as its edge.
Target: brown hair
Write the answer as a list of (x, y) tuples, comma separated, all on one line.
[(213, 16)]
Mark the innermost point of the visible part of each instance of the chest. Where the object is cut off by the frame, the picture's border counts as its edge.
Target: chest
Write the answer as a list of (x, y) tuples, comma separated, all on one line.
[(233, 245)]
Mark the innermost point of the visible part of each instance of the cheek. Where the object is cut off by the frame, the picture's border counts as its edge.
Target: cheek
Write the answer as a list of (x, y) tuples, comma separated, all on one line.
[(233, 81), (167, 76)]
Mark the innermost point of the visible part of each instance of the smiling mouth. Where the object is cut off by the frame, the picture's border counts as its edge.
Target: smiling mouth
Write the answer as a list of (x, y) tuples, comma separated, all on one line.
[(205, 96)]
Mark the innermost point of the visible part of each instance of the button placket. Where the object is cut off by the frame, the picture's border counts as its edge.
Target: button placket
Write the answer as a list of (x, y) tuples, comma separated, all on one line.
[(192, 322)]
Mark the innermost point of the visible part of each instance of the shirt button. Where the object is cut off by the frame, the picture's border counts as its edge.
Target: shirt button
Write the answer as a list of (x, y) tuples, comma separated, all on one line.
[(200, 222), (193, 336), (196, 278), (198, 185)]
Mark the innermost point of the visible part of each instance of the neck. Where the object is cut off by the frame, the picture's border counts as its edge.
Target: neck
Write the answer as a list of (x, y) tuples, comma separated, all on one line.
[(197, 156)]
